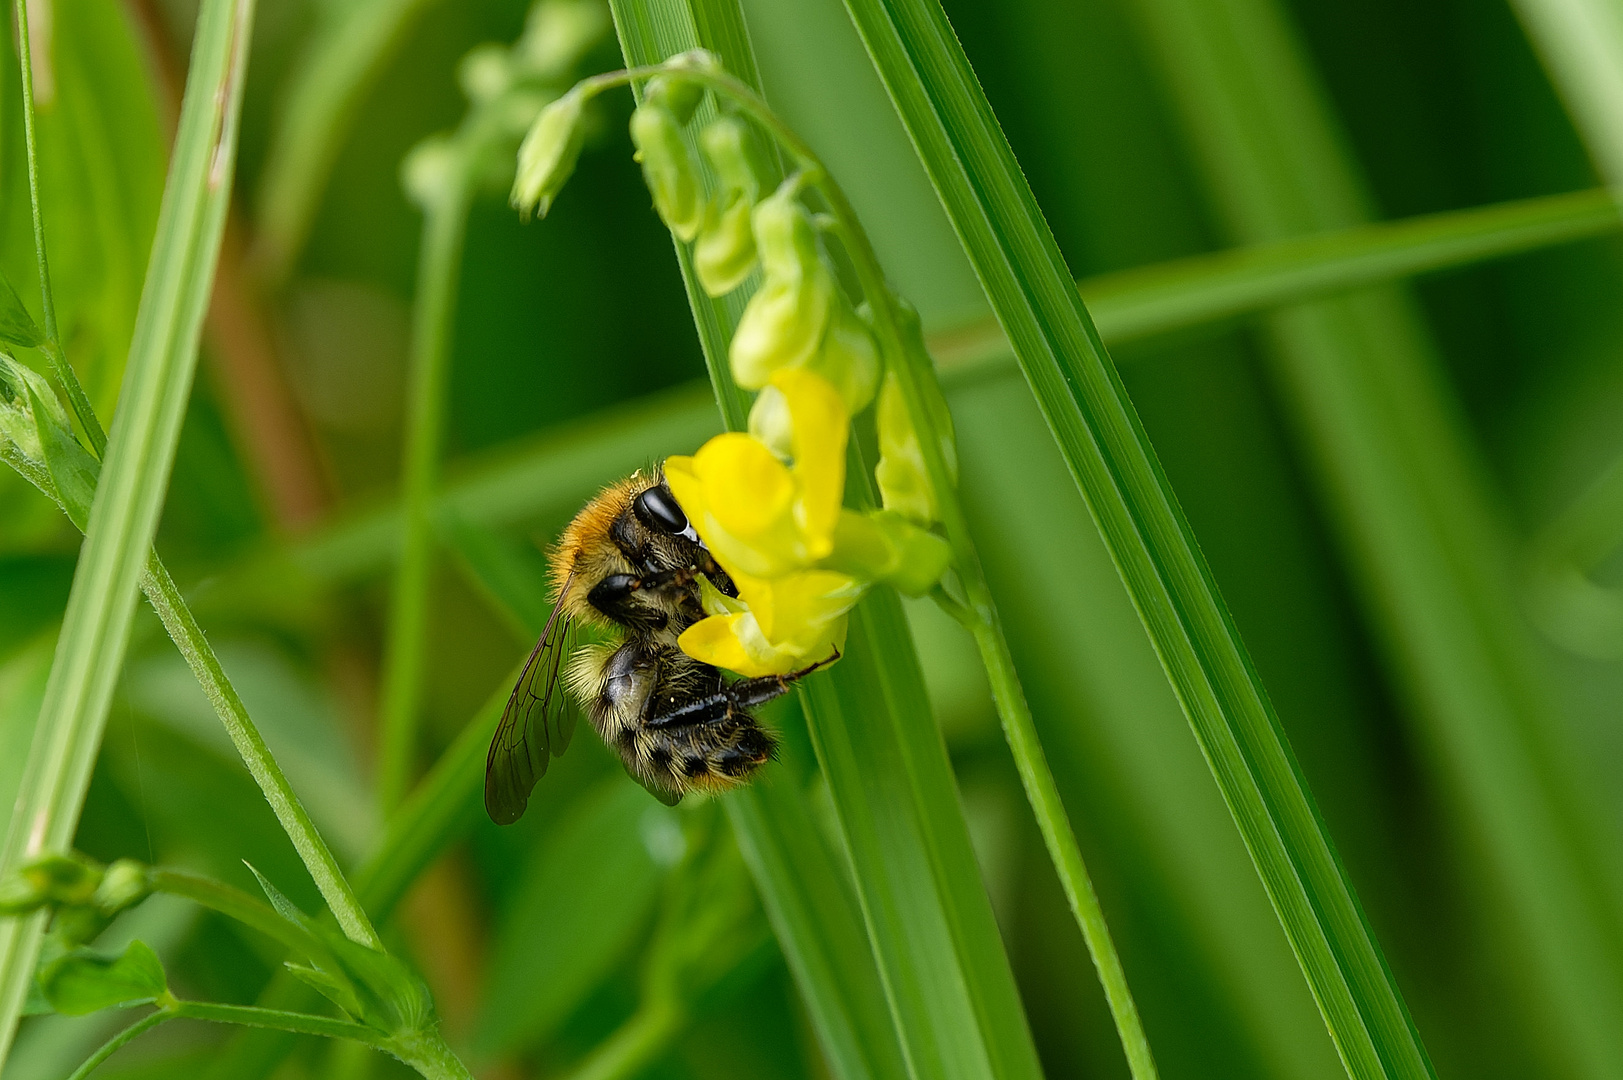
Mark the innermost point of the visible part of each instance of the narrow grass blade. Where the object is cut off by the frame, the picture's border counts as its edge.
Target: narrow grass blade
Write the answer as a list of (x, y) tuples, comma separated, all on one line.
[(1132, 304), (1104, 444), (940, 958), (124, 517), (1405, 491), (348, 52)]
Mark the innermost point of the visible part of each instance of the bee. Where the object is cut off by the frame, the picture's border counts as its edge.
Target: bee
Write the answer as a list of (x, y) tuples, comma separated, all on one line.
[(630, 564)]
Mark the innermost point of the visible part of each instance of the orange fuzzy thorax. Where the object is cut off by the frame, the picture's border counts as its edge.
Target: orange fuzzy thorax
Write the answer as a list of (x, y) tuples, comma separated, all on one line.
[(585, 553)]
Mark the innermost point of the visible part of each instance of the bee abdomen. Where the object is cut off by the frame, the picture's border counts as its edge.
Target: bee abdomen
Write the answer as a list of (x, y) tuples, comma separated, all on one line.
[(709, 757)]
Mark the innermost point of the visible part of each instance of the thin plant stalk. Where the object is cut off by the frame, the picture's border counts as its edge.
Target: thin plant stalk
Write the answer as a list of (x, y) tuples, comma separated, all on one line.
[(47, 301), (166, 600), (444, 225), (120, 1040), (124, 515)]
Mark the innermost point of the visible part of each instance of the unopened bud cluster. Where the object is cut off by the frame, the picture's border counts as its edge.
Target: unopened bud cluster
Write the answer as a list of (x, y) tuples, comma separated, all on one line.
[(84, 895)]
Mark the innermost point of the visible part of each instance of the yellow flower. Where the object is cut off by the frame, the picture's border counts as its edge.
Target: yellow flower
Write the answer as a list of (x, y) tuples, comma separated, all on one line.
[(777, 625), (757, 515)]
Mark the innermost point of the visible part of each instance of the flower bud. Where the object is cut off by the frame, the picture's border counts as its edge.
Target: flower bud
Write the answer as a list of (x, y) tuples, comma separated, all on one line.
[(786, 318), (484, 73), (730, 145), (771, 422), (547, 157), (679, 96), (848, 357), (903, 479), (883, 546), (725, 252), (124, 885), (558, 33), (428, 170), (668, 168)]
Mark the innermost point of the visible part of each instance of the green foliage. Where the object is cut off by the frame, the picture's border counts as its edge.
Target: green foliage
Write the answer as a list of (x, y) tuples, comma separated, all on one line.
[(82, 981), (1354, 266)]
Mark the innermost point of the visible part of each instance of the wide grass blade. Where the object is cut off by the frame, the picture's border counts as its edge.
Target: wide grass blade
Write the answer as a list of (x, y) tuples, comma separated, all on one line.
[(1405, 490), (1581, 44), (129, 497), (940, 958), (1105, 446)]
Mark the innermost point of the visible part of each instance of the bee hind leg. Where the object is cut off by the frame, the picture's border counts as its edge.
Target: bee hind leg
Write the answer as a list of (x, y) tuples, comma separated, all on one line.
[(731, 699)]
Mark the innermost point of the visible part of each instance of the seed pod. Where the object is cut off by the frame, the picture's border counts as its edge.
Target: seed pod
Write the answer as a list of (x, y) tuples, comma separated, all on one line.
[(547, 157), (668, 168), (725, 252)]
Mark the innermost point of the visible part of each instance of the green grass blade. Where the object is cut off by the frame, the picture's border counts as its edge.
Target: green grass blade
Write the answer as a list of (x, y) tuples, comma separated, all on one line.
[(946, 977), (124, 518), (1404, 487), (1105, 446), (1128, 305), (1581, 44), (324, 94)]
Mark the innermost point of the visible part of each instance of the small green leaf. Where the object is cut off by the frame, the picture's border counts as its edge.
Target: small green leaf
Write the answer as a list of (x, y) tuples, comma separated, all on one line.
[(17, 327), (85, 982)]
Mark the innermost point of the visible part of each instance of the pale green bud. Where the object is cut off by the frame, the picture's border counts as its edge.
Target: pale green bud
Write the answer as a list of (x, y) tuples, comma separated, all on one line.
[(669, 169), (123, 885), (725, 252), (730, 145), (771, 424), (679, 96), (784, 324), (848, 357), (429, 170), (883, 546), (904, 483), (547, 157), (558, 33), (485, 73)]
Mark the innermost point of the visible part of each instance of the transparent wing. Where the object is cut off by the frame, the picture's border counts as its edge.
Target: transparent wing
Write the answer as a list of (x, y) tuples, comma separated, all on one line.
[(535, 727)]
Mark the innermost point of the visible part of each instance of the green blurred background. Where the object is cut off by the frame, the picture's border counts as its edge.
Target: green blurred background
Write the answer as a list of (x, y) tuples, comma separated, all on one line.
[(574, 355)]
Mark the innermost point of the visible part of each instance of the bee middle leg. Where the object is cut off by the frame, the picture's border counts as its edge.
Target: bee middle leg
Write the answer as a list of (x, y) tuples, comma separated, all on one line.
[(731, 699)]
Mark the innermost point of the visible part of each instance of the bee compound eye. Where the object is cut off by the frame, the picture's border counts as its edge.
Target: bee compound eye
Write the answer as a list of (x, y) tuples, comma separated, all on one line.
[(657, 509)]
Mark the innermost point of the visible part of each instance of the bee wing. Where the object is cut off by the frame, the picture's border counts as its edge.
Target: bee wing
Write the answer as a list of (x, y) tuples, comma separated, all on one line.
[(535, 727)]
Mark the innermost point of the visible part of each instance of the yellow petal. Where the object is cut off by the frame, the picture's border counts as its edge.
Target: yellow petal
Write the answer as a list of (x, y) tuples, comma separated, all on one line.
[(795, 610), (819, 426)]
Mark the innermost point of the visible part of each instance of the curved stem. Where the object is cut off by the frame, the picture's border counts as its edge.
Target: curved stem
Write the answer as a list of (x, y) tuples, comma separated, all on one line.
[(118, 1041), (47, 300), (912, 369), (278, 1020)]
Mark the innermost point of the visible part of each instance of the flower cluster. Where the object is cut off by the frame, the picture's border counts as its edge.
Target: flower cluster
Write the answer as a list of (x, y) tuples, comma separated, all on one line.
[(769, 502)]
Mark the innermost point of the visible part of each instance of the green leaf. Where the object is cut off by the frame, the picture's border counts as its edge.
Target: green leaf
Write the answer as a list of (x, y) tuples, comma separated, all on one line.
[(1404, 488), (1581, 44), (949, 986), (163, 354), (1109, 455), (17, 327), (85, 982), (585, 893)]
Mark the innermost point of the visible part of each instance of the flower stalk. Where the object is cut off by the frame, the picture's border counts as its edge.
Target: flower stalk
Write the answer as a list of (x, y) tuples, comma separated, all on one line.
[(779, 337)]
